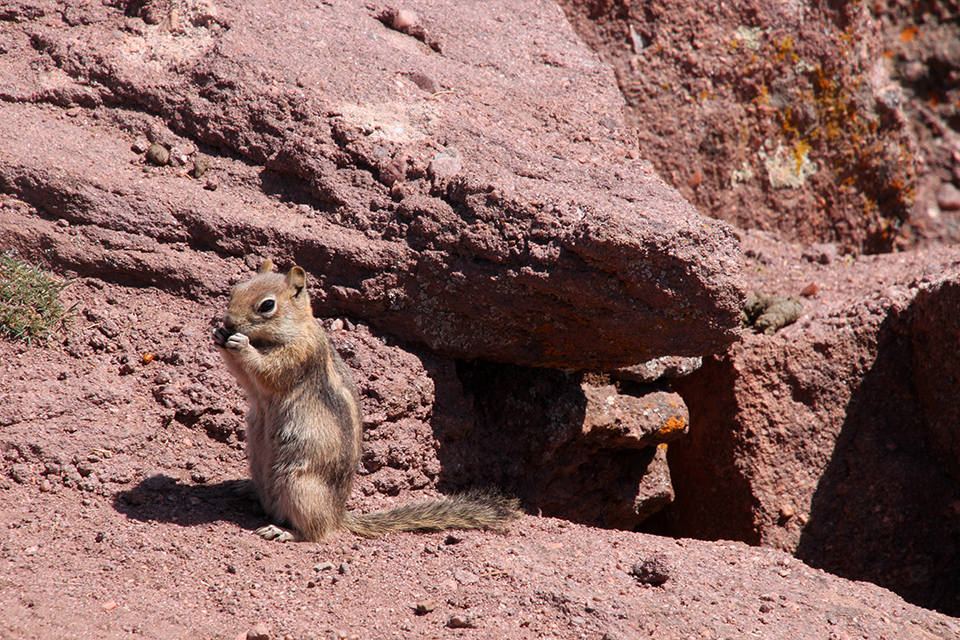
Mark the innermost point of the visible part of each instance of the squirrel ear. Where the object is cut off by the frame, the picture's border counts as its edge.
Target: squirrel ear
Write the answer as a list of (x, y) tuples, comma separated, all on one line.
[(266, 266), (296, 279)]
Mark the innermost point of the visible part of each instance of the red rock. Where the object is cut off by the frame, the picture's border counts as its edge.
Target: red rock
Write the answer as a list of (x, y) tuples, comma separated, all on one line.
[(599, 450), (258, 631), (948, 197), (405, 19), (777, 179), (855, 406), (936, 366), (528, 258), (810, 290)]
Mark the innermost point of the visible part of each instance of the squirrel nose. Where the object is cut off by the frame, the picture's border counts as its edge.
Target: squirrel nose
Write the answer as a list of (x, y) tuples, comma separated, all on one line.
[(229, 323)]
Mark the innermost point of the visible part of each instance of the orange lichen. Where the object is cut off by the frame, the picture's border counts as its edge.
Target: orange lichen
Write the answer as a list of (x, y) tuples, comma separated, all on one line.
[(785, 50), (672, 426), (763, 97), (799, 153), (833, 125)]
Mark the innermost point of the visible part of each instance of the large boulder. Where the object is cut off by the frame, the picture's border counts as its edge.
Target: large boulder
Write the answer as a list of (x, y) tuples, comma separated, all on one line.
[(465, 183), (834, 438)]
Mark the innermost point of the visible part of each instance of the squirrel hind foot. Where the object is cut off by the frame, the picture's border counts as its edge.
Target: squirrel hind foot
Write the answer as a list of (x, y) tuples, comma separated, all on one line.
[(273, 532)]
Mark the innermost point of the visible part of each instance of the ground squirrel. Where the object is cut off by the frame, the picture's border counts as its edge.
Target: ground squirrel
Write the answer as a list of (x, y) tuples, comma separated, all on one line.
[(304, 427)]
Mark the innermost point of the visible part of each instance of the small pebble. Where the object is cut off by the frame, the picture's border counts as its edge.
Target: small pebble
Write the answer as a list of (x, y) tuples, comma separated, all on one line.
[(109, 605), (465, 577), (695, 180), (948, 197), (653, 571), (424, 607), (73, 112), (786, 511), (140, 145), (323, 566), (212, 184), (460, 622), (810, 290), (258, 632), (405, 19), (201, 164), (425, 82), (177, 157), (158, 155)]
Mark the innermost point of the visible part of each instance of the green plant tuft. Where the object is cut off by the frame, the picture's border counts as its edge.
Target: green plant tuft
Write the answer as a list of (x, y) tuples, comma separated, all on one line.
[(30, 307)]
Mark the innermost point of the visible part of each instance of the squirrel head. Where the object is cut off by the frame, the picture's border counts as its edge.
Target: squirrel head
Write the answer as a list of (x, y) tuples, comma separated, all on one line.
[(270, 308)]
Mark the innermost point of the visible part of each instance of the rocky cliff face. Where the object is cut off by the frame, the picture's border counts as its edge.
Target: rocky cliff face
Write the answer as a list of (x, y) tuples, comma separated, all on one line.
[(825, 123)]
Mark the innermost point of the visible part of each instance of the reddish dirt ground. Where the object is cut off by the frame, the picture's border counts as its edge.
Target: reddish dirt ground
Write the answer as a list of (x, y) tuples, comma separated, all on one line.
[(120, 522)]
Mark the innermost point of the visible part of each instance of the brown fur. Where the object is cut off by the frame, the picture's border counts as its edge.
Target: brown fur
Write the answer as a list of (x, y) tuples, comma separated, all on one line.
[(304, 427)]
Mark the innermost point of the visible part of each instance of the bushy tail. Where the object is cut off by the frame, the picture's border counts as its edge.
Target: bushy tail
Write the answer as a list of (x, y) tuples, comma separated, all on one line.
[(472, 510)]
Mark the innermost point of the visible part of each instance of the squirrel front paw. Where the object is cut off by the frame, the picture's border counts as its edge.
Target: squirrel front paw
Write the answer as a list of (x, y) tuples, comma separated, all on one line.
[(220, 336), (236, 342), (232, 341)]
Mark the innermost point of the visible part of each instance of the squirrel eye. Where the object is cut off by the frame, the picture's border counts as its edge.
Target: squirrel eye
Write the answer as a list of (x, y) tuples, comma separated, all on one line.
[(266, 306)]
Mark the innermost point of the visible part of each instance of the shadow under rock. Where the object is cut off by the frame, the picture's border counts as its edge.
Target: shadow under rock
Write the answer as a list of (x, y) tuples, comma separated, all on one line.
[(885, 511), (520, 429), (161, 498), (713, 501)]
